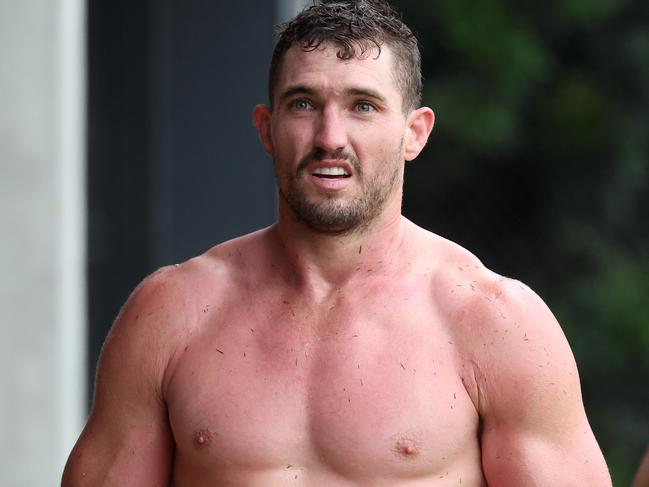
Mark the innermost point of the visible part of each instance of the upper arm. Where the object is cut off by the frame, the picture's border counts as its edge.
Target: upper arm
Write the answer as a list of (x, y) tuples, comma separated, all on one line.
[(642, 475), (127, 439), (535, 430)]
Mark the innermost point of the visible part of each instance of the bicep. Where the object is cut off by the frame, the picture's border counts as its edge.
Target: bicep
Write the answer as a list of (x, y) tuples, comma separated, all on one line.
[(536, 435), (535, 429), (120, 453), (515, 455), (127, 439)]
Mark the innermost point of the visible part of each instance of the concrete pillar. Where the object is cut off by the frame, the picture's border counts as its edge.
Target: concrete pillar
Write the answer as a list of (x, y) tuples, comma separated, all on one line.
[(42, 235)]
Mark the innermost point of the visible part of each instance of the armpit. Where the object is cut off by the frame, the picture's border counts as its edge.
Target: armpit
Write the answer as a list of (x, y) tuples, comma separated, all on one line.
[(473, 381)]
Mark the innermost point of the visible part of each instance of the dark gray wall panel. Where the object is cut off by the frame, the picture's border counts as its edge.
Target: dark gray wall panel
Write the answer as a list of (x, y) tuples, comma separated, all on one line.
[(214, 181), (174, 165)]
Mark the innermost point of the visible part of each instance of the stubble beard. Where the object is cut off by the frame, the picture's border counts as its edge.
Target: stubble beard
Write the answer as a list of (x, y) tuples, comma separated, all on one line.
[(333, 214)]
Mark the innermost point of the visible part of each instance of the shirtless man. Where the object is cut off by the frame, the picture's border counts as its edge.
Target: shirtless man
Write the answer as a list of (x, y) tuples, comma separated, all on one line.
[(342, 346)]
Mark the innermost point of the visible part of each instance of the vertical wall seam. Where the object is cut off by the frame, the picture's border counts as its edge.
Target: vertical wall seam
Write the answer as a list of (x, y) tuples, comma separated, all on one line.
[(70, 157)]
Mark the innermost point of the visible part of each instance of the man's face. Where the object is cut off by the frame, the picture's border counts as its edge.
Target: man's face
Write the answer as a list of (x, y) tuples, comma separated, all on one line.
[(337, 137)]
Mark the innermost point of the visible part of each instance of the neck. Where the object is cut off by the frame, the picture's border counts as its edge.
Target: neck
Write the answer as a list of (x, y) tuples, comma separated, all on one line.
[(320, 263)]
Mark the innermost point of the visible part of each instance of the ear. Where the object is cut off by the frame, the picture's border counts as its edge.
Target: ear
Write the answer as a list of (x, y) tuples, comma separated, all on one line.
[(419, 126), (261, 117)]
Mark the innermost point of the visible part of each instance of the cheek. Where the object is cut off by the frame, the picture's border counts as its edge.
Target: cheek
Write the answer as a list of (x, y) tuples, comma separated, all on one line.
[(383, 142), (384, 151), (291, 142)]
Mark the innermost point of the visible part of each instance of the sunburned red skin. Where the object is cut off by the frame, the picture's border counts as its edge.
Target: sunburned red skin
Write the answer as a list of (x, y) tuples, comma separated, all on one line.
[(406, 447), (385, 380), (351, 389), (377, 355), (202, 438)]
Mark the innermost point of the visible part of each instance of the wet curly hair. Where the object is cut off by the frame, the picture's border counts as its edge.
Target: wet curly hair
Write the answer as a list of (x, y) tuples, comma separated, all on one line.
[(356, 27)]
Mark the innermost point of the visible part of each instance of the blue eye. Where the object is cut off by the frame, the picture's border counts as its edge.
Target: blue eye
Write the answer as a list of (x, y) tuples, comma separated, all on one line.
[(364, 107), (302, 104)]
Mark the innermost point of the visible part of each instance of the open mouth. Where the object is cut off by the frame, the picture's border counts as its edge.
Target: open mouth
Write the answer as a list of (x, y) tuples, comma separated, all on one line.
[(331, 173)]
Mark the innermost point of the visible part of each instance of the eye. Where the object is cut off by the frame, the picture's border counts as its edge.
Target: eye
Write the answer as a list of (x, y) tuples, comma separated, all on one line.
[(365, 107), (301, 104)]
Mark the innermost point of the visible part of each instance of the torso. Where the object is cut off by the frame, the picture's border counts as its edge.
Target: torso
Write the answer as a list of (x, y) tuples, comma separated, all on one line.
[(362, 389)]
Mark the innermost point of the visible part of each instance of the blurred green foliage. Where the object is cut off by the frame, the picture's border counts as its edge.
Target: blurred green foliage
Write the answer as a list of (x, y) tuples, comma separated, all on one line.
[(539, 163)]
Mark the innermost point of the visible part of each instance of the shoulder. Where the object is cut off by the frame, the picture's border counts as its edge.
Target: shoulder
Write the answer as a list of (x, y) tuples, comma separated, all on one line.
[(517, 367), (473, 298), (162, 302), (508, 341), (151, 324), (178, 291), (168, 306)]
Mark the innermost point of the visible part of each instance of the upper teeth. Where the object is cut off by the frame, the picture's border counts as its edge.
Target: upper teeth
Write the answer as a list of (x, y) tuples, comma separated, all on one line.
[(330, 171)]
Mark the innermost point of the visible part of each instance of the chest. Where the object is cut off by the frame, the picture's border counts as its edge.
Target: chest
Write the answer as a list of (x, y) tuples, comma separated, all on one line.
[(367, 392)]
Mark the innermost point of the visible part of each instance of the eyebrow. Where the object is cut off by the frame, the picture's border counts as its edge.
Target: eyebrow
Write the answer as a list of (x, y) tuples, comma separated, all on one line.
[(306, 90), (296, 90), (366, 93)]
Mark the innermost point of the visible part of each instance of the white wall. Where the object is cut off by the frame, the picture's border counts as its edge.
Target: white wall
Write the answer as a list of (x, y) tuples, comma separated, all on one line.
[(42, 235)]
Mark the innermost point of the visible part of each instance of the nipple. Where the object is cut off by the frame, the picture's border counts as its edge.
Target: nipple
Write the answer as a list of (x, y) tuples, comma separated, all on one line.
[(406, 448), (202, 438)]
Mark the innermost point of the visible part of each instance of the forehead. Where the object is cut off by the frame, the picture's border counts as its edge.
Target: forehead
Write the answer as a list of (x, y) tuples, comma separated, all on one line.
[(322, 70)]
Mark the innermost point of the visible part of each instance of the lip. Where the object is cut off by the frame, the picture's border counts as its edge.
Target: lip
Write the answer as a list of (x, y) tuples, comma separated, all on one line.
[(333, 184)]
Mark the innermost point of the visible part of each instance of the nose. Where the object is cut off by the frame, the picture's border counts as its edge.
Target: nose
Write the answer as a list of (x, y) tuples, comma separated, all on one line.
[(331, 132)]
